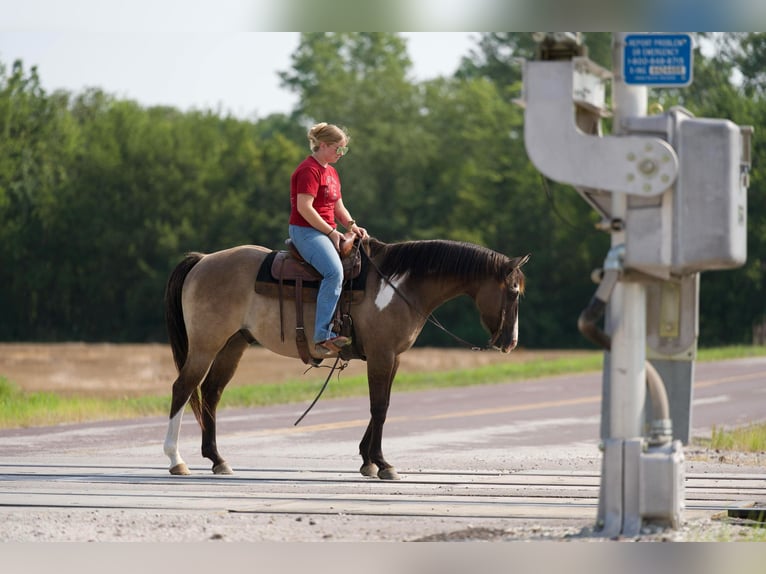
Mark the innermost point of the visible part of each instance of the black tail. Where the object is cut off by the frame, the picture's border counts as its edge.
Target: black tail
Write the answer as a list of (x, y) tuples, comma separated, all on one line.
[(174, 315)]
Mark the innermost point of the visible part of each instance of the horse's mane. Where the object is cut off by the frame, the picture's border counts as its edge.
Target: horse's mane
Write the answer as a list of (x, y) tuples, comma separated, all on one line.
[(439, 257)]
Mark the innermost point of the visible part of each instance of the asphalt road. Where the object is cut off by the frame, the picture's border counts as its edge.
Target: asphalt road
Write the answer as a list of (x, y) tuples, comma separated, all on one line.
[(507, 461)]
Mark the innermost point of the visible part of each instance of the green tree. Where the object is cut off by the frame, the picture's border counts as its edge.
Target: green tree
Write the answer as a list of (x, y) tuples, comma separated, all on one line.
[(36, 140), (100, 197)]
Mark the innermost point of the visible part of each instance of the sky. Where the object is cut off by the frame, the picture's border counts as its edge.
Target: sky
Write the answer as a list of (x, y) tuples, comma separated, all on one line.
[(231, 72), (224, 55)]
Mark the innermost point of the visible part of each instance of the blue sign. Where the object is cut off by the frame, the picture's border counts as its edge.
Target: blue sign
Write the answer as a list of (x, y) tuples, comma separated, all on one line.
[(658, 59)]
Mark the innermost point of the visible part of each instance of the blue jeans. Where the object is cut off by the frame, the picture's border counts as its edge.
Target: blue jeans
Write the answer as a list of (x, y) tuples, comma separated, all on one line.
[(318, 250)]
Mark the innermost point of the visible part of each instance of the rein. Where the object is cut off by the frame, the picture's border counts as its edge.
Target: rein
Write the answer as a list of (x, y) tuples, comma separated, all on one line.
[(324, 386), (434, 321)]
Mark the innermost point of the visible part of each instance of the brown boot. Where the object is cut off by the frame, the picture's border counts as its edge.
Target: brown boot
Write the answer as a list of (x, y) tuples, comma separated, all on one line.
[(333, 345)]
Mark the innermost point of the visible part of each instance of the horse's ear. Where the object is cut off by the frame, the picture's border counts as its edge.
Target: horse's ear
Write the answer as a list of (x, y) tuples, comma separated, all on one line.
[(517, 262)]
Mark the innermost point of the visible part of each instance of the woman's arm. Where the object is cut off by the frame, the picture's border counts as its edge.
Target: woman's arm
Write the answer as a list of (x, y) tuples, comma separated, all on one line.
[(305, 205), (342, 215)]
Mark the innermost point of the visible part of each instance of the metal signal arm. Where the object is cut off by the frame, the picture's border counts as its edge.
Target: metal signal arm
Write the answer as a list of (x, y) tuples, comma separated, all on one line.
[(559, 149)]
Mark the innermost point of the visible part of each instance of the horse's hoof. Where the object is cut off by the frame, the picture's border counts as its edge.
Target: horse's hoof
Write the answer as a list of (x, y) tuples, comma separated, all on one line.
[(180, 469), (388, 474), (369, 469), (222, 468)]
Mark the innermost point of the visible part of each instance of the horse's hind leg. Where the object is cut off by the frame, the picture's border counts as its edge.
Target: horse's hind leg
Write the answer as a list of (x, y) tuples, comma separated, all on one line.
[(220, 374), (183, 387)]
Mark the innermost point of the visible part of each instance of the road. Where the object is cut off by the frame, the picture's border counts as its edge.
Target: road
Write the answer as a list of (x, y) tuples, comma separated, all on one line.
[(504, 461)]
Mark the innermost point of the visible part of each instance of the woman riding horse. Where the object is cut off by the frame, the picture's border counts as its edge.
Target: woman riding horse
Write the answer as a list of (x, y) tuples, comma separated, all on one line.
[(316, 203), (214, 313)]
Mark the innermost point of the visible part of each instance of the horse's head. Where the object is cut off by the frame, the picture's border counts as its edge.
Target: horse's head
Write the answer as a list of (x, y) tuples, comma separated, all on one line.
[(499, 306)]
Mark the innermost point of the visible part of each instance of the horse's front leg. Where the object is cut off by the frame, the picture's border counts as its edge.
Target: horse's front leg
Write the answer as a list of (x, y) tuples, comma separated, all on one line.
[(380, 377), (221, 372)]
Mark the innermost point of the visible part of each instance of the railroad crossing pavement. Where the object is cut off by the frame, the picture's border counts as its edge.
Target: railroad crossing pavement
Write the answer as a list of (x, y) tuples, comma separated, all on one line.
[(296, 495), (544, 495)]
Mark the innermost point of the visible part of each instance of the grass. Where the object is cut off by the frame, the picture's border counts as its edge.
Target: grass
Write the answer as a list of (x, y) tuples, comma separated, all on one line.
[(22, 409), (732, 352), (750, 438), (26, 409)]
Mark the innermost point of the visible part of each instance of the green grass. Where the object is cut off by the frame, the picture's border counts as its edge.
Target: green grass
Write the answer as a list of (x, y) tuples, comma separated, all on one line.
[(750, 438), (22, 409), (733, 352), (342, 386)]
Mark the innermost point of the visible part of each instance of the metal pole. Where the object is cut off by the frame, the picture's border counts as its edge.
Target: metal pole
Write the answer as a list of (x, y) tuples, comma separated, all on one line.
[(624, 368), (627, 309)]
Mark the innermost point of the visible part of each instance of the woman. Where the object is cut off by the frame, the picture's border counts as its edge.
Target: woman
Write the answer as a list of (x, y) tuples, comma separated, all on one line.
[(316, 204)]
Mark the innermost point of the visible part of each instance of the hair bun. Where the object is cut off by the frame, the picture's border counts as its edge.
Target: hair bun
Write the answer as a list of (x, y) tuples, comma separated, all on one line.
[(325, 133)]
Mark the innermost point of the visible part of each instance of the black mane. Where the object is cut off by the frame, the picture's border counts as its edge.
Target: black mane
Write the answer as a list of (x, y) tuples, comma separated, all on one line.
[(439, 257)]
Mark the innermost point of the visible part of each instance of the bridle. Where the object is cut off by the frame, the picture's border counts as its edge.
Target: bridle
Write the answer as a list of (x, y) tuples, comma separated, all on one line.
[(503, 311)]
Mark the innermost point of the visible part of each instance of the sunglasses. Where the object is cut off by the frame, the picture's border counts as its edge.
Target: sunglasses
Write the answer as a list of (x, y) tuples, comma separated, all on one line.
[(341, 150)]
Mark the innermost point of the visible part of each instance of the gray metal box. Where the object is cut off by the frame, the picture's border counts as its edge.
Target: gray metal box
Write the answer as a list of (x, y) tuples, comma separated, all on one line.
[(710, 203), (661, 484), (700, 223)]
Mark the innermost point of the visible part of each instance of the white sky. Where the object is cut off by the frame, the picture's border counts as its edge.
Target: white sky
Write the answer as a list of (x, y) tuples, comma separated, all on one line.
[(231, 72)]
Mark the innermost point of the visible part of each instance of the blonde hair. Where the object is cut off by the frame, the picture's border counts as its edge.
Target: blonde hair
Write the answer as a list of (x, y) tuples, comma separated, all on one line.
[(326, 133)]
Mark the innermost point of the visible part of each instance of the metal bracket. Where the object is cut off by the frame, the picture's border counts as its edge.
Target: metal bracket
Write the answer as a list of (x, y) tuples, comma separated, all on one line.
[(638, 165)]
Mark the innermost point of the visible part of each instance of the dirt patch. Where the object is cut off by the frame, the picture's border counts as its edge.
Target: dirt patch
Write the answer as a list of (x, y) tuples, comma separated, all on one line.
[(131, 370)]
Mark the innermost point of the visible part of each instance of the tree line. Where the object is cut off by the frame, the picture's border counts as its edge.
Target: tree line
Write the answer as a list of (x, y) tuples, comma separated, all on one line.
[(100, 197)]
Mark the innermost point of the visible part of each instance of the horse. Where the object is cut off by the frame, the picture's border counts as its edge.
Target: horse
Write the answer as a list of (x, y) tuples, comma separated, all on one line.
[(213, 313)]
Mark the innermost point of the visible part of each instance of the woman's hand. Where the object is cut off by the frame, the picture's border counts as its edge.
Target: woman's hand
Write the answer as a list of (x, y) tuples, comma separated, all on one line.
[(360, 232), (335, 237)]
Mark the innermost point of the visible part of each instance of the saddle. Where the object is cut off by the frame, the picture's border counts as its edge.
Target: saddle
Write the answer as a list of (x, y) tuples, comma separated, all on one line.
[(287, 273), (289, 265)]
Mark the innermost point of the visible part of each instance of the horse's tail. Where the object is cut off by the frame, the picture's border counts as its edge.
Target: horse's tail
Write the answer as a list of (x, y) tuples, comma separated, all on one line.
[(174, 314)]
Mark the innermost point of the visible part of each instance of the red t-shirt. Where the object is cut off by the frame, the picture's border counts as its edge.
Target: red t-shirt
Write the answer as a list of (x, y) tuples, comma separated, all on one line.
[(321, 182)]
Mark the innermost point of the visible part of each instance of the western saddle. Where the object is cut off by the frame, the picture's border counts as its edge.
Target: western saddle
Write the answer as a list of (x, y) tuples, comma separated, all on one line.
[(289, 266)]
